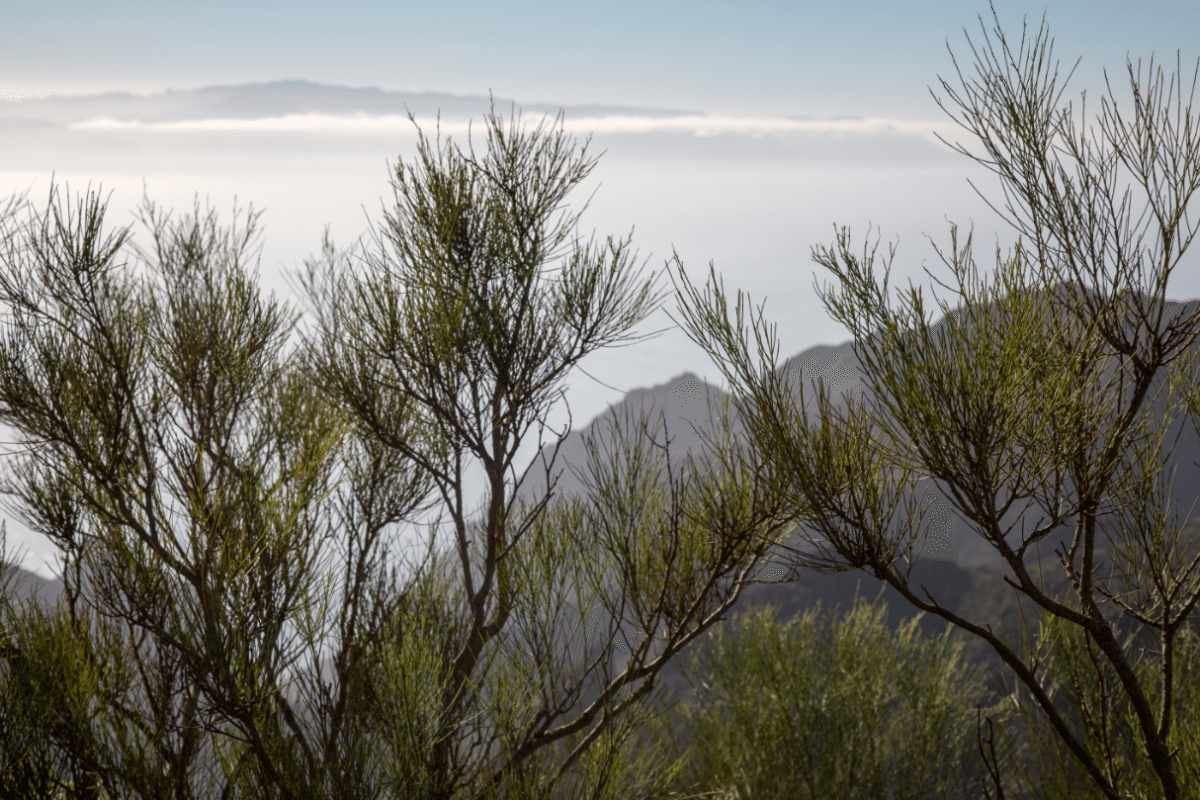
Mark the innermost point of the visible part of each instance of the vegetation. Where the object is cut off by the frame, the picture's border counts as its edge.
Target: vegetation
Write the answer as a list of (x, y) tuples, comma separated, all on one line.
[(816, 708), (234, 622), (780, 710), (1100, 714), (208, 488), (1010, 405)]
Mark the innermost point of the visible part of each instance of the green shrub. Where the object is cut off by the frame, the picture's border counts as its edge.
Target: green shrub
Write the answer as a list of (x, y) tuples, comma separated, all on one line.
[(818, 708), (1101, 715)]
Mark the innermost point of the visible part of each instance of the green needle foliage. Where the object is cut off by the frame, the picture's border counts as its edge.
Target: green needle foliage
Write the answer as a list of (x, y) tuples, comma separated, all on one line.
[(1010, 404), (1101, 714), (233, 624), (818, 708)]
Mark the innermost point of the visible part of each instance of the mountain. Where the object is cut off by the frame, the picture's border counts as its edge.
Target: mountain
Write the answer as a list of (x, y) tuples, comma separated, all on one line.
[(275, 99), (959, 568), (684, 400)]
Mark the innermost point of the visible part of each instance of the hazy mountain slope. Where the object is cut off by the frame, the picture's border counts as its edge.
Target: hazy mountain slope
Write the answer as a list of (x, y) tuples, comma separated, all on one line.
[(684, 401), (23, 583)]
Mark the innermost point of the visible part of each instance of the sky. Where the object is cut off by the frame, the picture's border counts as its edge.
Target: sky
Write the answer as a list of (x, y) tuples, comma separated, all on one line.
[(749, 186), (776, 58)]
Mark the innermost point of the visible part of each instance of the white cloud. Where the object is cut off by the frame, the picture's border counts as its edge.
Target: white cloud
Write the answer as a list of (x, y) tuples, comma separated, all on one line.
[(395, 123), (20, 94), (104, 123)]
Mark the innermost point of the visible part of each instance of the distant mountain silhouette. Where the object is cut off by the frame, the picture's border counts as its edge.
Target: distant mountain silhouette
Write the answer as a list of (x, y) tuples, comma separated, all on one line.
[(276, 99)]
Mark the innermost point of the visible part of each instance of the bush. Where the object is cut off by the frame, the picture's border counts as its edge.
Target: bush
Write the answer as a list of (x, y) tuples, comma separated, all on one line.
[(1102, 717), (819, 708)]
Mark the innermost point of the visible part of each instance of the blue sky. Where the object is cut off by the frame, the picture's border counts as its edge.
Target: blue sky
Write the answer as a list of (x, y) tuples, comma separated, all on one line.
[(746, 187), (776, 58)]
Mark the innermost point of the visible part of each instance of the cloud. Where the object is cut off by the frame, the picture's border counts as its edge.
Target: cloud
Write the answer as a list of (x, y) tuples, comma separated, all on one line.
[(104, 123), (11, 95), (306, 107), (700, 126)]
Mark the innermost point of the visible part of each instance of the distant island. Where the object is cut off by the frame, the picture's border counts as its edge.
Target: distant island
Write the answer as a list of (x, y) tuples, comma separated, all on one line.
[(276, 99)]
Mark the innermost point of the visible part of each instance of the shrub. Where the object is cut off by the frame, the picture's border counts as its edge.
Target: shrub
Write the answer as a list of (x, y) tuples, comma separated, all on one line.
[(820, 708)]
